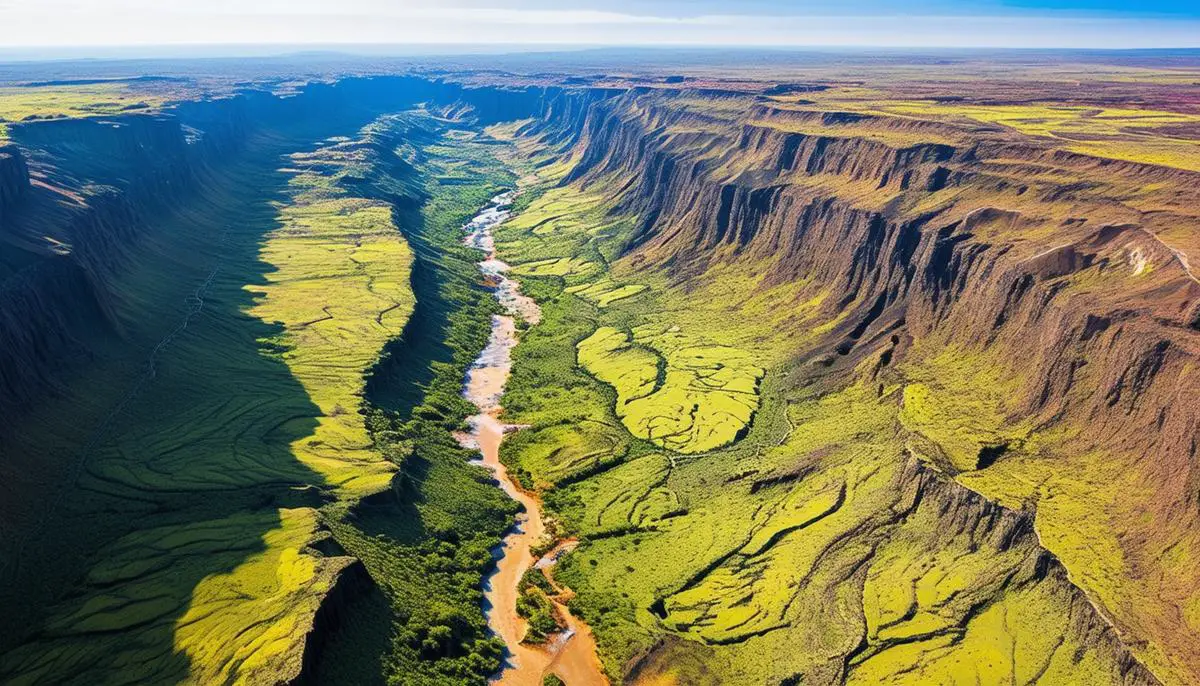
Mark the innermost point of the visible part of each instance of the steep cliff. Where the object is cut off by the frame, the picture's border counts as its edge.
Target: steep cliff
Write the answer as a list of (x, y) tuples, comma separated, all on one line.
[(14, 178), (951, 366), (1029, 314), (150, 260)]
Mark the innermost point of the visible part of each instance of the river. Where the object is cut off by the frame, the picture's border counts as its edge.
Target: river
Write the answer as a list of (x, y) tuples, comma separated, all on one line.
[(570, 654)]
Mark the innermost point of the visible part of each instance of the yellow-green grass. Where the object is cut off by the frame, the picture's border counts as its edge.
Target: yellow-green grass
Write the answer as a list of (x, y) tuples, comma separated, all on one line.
[(1135, 135), (702, 398), (245, 624), (809, 531), (340, 291), (772, 567), (18, 103), (605, 292), (1081, 498), (891, 137), (561, 232), (956, 400), (563, 266), (240, 405), (957, 405), (1121, 133), (428, 547)]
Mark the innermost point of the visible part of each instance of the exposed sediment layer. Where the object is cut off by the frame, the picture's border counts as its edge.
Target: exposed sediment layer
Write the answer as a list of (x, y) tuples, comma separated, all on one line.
[(1029, 318), (1049, 275)]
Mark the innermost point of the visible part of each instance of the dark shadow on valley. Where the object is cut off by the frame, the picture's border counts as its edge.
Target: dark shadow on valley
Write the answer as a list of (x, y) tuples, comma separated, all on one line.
[(219, 376)]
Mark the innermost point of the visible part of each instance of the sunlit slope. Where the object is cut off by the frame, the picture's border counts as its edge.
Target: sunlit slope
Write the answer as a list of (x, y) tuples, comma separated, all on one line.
[(814, 532), (246, 419), (972, 347), (1149, 136), (705, 397), (340, 290), (248, 624)]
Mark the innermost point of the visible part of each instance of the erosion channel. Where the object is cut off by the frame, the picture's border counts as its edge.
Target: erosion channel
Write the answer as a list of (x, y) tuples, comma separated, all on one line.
[(571, 653)]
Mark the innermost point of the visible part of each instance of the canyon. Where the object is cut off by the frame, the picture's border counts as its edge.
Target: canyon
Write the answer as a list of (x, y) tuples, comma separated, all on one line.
[(825, 375)]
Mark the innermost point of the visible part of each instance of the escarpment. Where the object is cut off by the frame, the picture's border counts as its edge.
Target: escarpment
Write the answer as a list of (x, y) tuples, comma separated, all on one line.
[(14, 178), (101, 182), (133, 278), (984, 421), (1031, 313)]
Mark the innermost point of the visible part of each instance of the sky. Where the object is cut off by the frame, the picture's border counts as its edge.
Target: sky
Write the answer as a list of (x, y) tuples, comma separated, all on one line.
[(78, 24)]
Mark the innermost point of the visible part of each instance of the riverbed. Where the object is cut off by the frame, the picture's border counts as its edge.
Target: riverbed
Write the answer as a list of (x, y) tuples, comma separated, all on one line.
[(570, 654)]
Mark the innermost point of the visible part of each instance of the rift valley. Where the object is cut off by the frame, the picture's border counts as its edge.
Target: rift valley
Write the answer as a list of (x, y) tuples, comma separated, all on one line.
[(783, 370)]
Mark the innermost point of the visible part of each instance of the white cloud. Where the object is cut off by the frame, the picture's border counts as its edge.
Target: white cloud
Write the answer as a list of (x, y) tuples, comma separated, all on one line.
[(149, 22)]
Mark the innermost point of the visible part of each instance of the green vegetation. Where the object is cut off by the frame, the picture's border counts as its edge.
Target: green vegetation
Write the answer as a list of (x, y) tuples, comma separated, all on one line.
[(258, 612), (1145, 135), (22, 103), (429, 547), (536, 607), (27, 103), (260, 463), (604, 292), (672, 391), (244, 419), (726, 517), (266, 464)]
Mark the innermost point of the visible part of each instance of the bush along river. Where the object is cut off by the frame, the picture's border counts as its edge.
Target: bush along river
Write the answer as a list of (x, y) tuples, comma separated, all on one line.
[(571, 653)]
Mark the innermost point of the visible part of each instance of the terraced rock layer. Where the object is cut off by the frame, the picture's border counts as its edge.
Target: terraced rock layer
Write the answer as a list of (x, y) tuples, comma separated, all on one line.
[(888, 399), (1020, 320)]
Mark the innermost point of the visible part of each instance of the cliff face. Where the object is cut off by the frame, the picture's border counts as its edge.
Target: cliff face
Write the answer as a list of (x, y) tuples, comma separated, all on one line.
[(1058, 282), (1048, 274), (14, 178), (130, 248), (101, 181)]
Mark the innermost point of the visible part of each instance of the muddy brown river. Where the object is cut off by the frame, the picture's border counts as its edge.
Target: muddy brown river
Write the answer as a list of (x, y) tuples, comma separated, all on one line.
[(570, 654)]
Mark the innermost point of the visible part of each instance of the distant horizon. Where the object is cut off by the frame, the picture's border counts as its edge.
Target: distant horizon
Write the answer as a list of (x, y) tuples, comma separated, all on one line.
[(282, 50)]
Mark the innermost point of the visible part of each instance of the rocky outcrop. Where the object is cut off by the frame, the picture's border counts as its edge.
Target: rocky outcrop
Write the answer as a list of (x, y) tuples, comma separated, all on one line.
[(351, 582), (1040, 262)]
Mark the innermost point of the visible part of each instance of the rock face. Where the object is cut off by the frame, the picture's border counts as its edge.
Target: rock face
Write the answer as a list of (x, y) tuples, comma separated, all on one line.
[(14, 178), (1062, 284), (83, 203), (103, 179), (1065, 279)]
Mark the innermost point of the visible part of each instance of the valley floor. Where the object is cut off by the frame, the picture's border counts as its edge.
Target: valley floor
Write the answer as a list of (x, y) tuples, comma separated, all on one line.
[(740, 474), (736, 528)]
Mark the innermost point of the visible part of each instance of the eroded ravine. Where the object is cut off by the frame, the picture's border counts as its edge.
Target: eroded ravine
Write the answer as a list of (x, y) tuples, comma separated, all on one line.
[(570, 654)]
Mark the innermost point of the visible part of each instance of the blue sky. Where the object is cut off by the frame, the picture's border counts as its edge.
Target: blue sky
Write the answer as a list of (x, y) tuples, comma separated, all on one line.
[(917, 23)]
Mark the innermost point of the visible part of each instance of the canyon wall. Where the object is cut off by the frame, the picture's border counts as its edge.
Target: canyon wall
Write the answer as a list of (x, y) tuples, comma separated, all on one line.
[(1052, 276), (100, 182), (83, 203)]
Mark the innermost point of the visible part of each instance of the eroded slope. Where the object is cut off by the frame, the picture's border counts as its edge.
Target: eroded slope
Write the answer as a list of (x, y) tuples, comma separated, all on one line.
[(937, 309)]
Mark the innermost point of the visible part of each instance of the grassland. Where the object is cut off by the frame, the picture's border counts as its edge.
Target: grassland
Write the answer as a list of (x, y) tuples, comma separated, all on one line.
[(283, 400), (672, 391), (26, 103), (243, 460), (429, 545), (221, 531), (794, 516), (1146, 135)]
